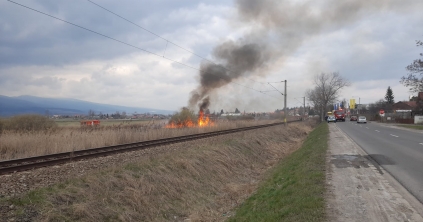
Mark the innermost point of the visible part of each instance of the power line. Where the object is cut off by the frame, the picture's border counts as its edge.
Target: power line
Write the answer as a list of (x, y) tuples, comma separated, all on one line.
[(298, 101), (122, 42), (70, 23), (277, 82), (270, 95), (275, 88), (269, 91), (167, 40)]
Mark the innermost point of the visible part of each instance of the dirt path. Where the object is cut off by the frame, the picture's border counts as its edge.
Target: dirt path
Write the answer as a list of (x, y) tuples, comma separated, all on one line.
[(359, 189)]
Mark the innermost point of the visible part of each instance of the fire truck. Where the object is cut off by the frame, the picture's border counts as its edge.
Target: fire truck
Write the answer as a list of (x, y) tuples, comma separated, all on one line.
[(339, 115)]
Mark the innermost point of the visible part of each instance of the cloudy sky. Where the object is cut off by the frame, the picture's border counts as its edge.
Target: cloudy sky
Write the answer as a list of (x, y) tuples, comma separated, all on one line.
[(369, 42)]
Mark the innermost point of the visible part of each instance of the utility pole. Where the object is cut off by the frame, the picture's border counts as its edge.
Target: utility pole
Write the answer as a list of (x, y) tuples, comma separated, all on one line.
[(284, 94), (304, 109), (357, 107), (284, 109)]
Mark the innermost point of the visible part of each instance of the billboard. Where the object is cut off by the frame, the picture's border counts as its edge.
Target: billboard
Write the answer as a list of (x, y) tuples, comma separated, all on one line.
[(352, 103)]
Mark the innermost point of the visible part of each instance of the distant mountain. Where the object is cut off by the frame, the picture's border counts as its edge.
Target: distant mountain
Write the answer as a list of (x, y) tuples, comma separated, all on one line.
[(10, 106)]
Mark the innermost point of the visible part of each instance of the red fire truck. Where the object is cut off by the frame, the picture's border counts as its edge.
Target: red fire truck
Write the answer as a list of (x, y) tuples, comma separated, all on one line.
[(339, 115)]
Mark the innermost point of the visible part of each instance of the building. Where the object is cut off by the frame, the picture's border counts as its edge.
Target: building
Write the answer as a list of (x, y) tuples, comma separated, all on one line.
[(90, 123)]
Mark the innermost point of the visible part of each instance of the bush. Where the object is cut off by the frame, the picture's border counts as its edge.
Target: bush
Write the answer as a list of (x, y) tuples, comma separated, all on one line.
[(1, 125), (28, 123), (183, 117)]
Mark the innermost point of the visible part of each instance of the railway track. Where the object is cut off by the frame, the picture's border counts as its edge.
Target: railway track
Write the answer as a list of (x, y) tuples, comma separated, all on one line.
[(16, 165)]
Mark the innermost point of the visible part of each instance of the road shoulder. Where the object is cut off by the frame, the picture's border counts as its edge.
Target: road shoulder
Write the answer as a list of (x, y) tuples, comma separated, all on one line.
[(393, 125), (358, 189)]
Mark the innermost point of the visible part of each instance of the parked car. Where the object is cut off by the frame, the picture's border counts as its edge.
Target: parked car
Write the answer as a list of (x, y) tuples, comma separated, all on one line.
[(361, 119), (353, 118), (331, 119)]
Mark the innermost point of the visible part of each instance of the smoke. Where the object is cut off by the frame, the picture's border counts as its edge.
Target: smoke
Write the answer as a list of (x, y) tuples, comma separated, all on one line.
[(277, 28), (238, 60)]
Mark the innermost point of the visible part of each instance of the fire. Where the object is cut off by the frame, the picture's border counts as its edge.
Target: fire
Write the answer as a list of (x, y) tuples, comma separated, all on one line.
[(202, 121), (181, 124)]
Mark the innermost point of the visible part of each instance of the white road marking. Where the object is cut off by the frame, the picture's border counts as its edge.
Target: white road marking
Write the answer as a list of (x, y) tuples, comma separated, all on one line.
[(377, 131), (394, 135), (421, 143), (367, 127)]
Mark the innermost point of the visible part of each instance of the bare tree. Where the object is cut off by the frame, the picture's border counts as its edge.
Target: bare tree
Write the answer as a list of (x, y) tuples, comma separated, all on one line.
[(344, 103), (414, 79), (326, 90), (91, 113), (314, 97)]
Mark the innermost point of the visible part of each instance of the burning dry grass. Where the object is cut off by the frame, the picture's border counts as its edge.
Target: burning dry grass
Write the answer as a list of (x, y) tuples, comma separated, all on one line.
[(202, 181), (21, 144), (186, 118)]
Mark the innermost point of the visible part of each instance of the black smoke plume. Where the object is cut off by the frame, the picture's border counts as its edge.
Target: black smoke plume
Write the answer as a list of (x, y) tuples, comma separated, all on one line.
[(276, 29), (238, 60)]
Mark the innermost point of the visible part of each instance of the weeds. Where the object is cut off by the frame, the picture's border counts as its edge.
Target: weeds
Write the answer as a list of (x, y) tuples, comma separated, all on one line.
[(200, 181), (26, 143), (27, 123)]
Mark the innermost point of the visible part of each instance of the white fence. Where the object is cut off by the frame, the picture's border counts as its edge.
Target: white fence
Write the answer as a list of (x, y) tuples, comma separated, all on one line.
[(418, 119)]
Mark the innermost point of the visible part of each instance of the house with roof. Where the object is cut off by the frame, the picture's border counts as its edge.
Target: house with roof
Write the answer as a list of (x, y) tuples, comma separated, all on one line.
[(407, 109), (418, 97), (404, 106), (419, 103)]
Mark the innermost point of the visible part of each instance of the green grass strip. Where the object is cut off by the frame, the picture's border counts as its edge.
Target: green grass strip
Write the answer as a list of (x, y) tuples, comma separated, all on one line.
[(418, 127), (296, 187)]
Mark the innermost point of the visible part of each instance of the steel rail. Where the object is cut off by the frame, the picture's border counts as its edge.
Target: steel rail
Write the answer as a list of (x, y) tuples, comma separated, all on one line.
[(16, 165)]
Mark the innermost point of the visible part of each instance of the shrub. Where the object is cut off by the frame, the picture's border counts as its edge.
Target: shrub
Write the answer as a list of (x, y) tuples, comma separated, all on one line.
[(1, 125), (29, 123), (184, 117)]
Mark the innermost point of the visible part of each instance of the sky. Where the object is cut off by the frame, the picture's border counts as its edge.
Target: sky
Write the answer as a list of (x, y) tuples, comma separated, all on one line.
[(153, 58)]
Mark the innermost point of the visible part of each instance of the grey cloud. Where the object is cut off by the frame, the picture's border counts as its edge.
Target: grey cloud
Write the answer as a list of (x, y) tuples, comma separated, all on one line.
[(14, 81), (108, 78), (52, 82), (280, 29), (50, 42)]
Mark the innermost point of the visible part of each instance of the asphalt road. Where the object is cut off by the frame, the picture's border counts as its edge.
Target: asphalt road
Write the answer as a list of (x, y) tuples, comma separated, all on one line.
[(398, 151)]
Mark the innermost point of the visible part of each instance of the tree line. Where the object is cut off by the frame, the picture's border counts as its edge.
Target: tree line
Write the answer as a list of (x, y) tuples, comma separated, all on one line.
[(327, 87)]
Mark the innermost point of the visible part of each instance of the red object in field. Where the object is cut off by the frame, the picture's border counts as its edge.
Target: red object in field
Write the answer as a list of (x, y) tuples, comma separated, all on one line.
[(381, 111), (90, 123)]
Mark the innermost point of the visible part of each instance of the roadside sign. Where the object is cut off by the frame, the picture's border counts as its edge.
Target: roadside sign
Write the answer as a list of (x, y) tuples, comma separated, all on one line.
[(381, 112)]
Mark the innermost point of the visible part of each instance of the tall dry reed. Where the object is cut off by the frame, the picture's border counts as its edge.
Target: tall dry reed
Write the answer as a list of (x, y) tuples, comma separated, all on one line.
[(26, 143)]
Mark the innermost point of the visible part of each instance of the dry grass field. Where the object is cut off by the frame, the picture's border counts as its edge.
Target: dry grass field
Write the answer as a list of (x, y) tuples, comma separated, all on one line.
[(202, 180), (20, 144), (109, 122)]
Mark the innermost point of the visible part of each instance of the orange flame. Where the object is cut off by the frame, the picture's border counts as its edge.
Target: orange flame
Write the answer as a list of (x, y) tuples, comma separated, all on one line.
[(202, 121)]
